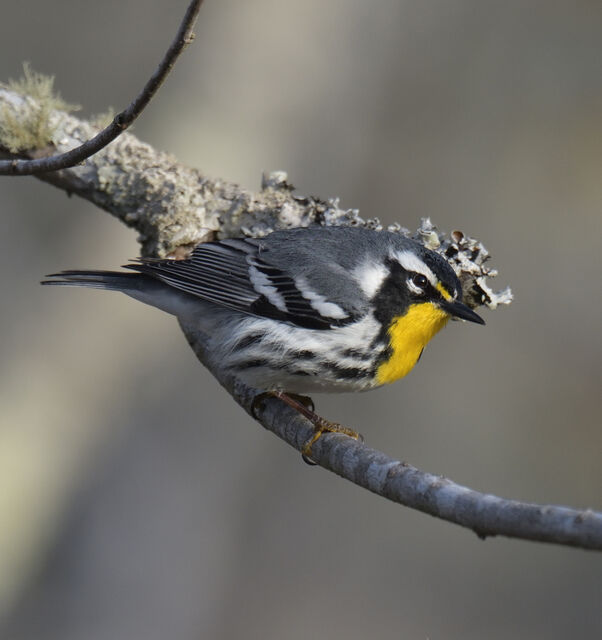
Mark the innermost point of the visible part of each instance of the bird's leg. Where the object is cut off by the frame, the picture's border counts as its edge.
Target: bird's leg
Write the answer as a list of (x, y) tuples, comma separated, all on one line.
[(306, 401), (305, 406)]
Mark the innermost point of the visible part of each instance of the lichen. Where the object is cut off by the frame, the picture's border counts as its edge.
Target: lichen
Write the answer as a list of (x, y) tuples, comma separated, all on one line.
[(31, 126), (467, 256)]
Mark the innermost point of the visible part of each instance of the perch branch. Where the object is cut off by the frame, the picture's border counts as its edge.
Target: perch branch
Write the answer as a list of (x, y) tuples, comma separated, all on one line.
[(486, 514), (20, 167), (174, 208)]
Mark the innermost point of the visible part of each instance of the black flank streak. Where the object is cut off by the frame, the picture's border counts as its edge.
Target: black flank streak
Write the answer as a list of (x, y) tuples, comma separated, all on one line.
[(254, 364), (356, 353), (346, 373), (303, 355), (249, 340)]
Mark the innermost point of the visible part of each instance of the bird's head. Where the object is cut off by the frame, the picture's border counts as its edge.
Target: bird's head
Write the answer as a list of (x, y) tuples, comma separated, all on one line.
[(419, 294), (429, 279)]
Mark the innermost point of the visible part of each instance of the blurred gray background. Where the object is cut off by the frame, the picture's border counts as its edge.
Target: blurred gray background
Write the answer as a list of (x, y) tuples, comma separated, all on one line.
[(137, 501)]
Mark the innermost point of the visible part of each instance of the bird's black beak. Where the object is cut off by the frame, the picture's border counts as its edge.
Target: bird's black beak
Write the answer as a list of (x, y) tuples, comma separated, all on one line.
[(460, 310)]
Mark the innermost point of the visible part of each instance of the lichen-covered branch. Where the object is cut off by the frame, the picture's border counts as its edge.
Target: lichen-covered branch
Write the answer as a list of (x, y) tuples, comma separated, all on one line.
[(39, 129), (174, 207)]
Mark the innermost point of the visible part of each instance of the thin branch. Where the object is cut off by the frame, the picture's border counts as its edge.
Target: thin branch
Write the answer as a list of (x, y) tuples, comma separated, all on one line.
[(19, 167), (174, 207), (486, 514)]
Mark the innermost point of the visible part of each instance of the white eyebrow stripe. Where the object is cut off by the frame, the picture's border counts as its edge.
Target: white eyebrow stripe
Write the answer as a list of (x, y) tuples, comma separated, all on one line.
[(370, 275), (318, 301), (411, 262)]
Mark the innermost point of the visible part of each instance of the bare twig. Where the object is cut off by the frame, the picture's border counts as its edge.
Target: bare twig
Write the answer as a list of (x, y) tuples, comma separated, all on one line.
[(20, 167), (174, 207)]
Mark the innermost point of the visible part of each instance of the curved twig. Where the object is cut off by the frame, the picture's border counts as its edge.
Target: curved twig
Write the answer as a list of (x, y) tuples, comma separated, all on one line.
[(19, 167)]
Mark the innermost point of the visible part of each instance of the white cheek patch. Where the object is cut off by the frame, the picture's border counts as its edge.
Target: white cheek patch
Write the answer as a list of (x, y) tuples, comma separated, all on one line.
[(370, 276), (263, 285), (319, 302), (411, 262)]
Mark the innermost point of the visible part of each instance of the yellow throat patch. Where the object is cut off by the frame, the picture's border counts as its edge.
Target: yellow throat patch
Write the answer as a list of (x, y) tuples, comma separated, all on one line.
[(408, 335)]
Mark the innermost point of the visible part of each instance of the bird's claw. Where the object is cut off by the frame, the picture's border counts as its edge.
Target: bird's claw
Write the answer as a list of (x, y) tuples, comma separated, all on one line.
[(305, 406), (322, 426)]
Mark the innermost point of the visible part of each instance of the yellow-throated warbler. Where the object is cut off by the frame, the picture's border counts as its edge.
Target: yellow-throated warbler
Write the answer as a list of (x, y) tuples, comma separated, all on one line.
[(302, 310)]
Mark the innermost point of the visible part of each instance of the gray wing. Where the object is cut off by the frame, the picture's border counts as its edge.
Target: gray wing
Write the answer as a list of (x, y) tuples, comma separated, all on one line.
[(240, 275)]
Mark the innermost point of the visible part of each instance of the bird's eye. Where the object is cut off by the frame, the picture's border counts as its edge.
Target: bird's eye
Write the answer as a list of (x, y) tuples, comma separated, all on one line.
[(419, 280)]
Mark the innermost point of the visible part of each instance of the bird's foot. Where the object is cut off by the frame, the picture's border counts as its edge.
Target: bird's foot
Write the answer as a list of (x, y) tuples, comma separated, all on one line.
[(305, 407), (321, 426)]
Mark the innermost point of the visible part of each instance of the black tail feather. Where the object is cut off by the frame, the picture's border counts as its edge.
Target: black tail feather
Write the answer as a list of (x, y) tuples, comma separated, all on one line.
[(112, 280)]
